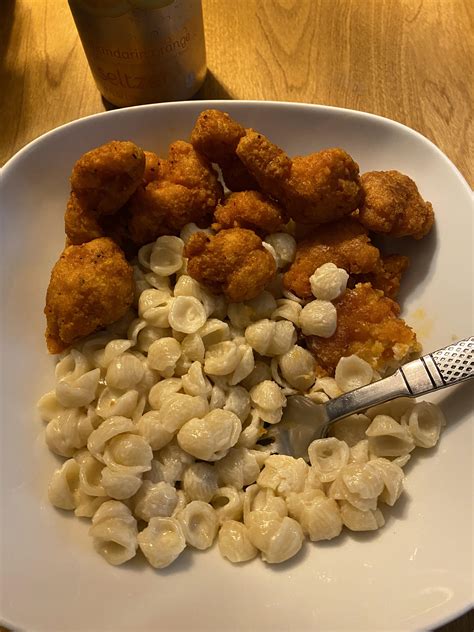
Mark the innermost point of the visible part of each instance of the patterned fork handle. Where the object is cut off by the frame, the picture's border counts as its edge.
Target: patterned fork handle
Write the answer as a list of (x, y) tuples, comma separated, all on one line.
[(433, 371), (445, 367)]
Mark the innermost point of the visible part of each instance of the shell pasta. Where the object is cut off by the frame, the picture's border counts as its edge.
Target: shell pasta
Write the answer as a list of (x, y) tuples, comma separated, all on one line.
[(168, 422)]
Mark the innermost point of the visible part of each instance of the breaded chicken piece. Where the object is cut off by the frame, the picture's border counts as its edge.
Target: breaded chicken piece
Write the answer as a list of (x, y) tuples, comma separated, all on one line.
[(249, 209), (192, 170), (344, 243), (386, 275), (81, 225), (394, 206), (323, 186), (269, 164), (153, 167), (314, 189), (104, 178), (187, 190), (160, 208), (236, 177), (233, 262), (116, 228), (368, 326), (216, 136), (91, 286)]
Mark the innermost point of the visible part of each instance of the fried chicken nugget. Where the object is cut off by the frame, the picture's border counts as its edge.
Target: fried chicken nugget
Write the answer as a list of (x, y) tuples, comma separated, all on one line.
[(387, 274), (394, 206), (344, 243), (155, 210), (315, 189), (216, 136), (323, 186), (233, 262), (269, 164), (249, 209), (154, 167), (82, 226), (187, 190), (236, 177), (368, 326), (189, 168), (91, 286), (104, 178)]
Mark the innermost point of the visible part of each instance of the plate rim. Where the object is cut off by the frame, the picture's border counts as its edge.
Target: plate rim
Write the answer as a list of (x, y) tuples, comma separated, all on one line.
[(31, 146), (208, 104)]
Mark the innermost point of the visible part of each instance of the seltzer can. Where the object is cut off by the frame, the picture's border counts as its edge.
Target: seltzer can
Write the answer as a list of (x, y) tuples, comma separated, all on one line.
[(143, 51)]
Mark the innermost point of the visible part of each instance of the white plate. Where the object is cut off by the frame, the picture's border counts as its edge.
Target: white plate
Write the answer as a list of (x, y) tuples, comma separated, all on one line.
[(414, 573)]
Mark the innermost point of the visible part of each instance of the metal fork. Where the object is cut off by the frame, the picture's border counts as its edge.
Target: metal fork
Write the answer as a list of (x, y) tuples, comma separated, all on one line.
[(446, 367)]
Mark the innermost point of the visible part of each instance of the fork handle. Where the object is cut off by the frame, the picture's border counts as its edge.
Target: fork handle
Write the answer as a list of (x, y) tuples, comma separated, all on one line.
[(445, 367), (436, 370)]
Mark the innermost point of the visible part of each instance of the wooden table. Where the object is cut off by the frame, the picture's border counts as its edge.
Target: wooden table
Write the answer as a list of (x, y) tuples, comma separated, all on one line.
[(409, 60)]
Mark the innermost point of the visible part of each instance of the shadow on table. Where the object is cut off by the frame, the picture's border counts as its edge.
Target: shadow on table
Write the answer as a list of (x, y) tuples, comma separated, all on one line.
[(7, 17), (11, 78), (212, 88)]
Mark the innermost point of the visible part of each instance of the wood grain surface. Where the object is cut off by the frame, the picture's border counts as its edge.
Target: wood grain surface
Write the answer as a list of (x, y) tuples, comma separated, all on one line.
[(409, 60)]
